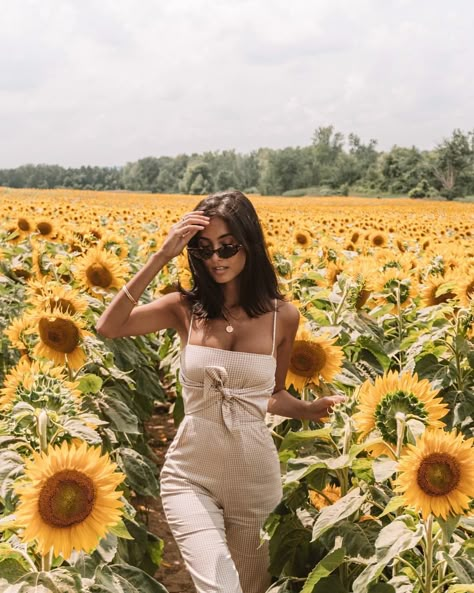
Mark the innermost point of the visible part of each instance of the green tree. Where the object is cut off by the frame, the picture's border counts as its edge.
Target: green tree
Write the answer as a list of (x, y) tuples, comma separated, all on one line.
[(197, 179), (328, 145), (452, 163)]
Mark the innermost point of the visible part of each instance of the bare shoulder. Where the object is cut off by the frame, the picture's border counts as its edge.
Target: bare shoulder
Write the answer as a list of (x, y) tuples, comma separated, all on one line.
[(289, 314), (175, 303)]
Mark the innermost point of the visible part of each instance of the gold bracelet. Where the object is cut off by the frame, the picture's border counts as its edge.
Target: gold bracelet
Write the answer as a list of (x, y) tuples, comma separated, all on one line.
[(125, 289)]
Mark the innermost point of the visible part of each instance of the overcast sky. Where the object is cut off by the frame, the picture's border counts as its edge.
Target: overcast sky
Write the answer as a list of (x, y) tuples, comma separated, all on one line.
[(104, 82)]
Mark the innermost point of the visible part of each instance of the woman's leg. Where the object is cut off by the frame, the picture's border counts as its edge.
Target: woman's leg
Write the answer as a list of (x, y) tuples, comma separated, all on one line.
[(197, 523), (251, 560)]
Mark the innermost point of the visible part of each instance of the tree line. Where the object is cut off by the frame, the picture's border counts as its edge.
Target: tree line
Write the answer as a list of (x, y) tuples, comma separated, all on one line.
[(331, 164)]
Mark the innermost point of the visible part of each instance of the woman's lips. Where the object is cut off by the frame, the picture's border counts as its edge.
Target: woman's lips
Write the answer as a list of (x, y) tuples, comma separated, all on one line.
[(219, 270)]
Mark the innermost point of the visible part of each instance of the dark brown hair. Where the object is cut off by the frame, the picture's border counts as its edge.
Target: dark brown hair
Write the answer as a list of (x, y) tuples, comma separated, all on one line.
[(258, 281)]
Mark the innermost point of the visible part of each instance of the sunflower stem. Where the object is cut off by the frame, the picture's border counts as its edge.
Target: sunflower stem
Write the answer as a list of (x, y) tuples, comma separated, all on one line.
[(401, 426), (399, 323), (457, 357), (338, 309), (442, 564), (46, 561), (69, 370), (428, 554), (27, 557), (345, 450), (459, 373), (275, 434), (42, 429), (305, 398)]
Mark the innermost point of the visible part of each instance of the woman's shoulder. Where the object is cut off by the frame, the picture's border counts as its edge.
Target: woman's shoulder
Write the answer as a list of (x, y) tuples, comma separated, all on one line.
[(178, 305), (288, 312)]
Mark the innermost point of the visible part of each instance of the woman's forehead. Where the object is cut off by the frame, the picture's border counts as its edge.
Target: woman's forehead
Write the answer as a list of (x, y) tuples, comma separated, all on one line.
[(216, 229)]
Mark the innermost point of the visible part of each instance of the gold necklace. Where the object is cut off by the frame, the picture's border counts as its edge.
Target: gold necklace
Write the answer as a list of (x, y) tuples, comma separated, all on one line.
[(229, 328)]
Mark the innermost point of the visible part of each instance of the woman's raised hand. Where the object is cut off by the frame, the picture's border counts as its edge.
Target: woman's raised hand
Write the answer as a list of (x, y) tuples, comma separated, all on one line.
[(319, 408), (182, 231)]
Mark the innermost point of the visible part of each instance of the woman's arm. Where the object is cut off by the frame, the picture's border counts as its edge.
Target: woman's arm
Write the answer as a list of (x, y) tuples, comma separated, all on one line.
[(121, 318), (281, 402)]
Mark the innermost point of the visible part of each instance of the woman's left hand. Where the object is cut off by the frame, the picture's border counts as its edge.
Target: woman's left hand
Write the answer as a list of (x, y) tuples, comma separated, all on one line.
[(320, 408)]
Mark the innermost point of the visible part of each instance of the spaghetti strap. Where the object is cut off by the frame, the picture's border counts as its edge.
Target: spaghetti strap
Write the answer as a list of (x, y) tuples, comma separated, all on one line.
[(190, 326), (274, 327)]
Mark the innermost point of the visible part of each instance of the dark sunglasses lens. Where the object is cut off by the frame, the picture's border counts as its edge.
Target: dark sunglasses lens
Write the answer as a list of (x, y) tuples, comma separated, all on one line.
[(223, 252), (227, 251), (202, 253)]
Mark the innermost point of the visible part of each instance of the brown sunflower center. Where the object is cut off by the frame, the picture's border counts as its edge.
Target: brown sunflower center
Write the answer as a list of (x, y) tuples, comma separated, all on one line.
[(438, 474), (99, 275), (59, 334), (67, 498), (45, 228), (378, 240), (307, 359), (362, 298), (301, 238), (23, 224)]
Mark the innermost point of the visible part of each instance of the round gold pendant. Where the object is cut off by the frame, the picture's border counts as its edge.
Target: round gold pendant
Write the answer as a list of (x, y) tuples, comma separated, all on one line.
[(229, 329)]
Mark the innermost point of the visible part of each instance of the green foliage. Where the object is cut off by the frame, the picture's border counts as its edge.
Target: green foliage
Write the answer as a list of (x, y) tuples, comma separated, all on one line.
[(330, 165)]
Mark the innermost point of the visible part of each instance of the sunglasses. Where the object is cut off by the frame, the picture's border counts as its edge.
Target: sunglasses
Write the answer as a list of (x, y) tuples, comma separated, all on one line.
[(224, 252)]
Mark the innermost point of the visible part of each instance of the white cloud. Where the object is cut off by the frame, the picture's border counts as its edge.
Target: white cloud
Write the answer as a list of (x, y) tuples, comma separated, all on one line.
[(108, 82)]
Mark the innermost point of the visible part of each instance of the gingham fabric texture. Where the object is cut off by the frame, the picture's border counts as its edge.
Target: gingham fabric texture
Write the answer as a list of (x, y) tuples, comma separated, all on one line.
[(221, 476)]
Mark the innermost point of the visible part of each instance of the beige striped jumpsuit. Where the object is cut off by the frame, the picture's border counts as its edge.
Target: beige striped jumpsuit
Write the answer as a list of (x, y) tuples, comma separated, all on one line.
[(221, 476)]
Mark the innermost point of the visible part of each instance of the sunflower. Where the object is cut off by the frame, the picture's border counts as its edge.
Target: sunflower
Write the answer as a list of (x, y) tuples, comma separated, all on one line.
[(333, 269), (313, 357), (114, 243), (99, 270), (328, 495), (41, 263), (465, 288), (393, 284), (436, 290), (436, 475), (18, 330), (69, 501), (185, 279), (360, 270), (60, 337), (12, 381), (45, 228), (51, 296), (39, 381), (24, 226), (378, 404), (378, 239), (302, 238)]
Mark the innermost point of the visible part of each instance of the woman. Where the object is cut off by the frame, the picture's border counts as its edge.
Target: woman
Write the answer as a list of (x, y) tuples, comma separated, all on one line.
[(221, 476)]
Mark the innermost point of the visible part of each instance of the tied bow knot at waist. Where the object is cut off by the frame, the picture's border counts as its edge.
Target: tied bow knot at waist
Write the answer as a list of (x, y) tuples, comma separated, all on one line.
[(236, 404)]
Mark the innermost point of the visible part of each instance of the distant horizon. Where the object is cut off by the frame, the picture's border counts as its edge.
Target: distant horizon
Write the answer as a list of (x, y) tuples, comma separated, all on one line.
[(220, 150), (103, 84)]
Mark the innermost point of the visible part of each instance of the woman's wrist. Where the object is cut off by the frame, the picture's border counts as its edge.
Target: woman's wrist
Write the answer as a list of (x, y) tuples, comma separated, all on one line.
[(159, 259), (283, 403)]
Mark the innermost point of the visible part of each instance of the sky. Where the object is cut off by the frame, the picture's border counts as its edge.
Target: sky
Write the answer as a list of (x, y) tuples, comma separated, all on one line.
[(106, 82)]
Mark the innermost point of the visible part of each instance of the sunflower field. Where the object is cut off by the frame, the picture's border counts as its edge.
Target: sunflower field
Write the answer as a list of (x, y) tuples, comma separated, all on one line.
[(378, 497)]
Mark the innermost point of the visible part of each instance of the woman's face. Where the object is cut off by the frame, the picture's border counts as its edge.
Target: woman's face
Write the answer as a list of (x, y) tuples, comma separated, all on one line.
[(216, 234)]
